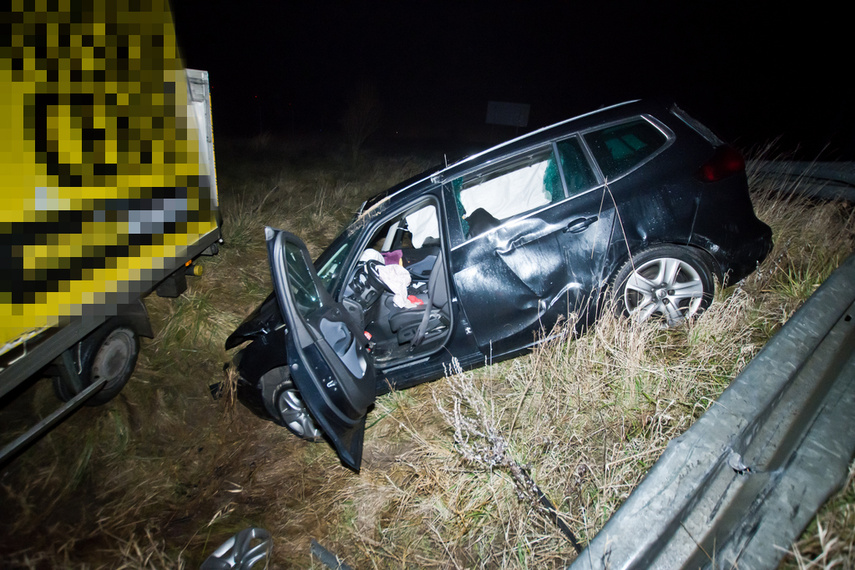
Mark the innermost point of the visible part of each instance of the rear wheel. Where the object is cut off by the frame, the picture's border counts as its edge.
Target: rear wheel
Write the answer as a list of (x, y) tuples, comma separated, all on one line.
[(667, 283), (110, 353)]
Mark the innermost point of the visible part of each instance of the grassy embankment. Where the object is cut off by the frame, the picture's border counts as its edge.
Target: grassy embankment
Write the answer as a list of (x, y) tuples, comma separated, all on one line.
[(162, 475)]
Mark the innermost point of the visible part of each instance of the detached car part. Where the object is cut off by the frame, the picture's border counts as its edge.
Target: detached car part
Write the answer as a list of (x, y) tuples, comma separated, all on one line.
[(242, 551)]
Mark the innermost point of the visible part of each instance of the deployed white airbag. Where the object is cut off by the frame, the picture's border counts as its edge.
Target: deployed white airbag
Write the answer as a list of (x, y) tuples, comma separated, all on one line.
[(510, 194)]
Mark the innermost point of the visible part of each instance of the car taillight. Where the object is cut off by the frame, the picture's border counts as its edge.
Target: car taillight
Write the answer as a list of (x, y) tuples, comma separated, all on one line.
[(724, 162)]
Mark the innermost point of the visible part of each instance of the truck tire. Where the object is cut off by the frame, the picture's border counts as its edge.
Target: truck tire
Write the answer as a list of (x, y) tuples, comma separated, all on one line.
[(110, 351)]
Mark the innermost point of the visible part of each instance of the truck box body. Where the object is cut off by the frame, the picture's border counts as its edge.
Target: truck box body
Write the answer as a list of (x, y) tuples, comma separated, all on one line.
[(107, 181)]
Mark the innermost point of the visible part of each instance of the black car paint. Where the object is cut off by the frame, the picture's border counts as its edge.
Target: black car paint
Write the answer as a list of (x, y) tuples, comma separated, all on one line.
[(265, 331), (537, 268), (326, 354), (543, 265)]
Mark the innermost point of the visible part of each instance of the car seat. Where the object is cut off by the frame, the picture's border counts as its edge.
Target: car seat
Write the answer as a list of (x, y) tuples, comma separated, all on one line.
[(427, 321)]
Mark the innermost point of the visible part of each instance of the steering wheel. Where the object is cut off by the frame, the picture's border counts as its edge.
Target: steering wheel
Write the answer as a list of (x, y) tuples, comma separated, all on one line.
[(373, 275)]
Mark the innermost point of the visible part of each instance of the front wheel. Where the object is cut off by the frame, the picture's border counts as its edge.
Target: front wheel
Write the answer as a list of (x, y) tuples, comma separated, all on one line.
[(290, 410), (667, 283)]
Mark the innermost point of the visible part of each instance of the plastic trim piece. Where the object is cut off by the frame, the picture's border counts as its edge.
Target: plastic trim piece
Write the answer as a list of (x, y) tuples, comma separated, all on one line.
[(744, 481)]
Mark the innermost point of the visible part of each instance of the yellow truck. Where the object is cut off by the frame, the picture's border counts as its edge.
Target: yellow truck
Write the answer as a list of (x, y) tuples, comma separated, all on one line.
[(107, 191)]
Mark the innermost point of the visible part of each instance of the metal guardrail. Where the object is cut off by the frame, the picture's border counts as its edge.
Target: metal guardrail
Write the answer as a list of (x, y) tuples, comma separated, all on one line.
[(825, 180), (744, 481)]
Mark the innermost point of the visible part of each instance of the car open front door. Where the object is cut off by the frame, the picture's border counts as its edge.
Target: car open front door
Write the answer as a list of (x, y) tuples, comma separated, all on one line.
[(326, 353)]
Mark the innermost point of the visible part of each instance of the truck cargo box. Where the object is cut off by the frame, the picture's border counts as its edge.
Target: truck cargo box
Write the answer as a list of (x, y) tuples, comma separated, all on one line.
[(107, 181)]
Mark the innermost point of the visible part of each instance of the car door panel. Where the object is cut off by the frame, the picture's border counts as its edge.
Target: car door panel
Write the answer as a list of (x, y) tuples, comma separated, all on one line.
[(325, 351), (530, 271), (533, 253)]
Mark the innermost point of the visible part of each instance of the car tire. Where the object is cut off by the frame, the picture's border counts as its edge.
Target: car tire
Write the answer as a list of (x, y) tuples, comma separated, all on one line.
[(110, 351), (668, 283), (291, 410)]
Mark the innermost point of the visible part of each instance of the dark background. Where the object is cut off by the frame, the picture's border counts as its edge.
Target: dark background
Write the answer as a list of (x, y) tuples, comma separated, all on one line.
[(752, 73)]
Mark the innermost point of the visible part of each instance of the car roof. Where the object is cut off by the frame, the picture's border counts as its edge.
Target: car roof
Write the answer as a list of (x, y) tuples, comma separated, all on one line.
[(544, 134), (535, 138)]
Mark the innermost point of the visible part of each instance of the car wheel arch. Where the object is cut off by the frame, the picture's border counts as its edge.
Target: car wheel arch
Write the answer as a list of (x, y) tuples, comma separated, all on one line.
[(620, 260), (709, 271)]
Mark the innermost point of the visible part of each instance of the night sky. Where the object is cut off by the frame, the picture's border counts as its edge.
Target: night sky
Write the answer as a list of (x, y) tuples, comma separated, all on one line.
[(751, 73)]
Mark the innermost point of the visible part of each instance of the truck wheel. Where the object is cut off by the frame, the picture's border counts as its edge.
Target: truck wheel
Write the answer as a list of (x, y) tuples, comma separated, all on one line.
[(109, 352)]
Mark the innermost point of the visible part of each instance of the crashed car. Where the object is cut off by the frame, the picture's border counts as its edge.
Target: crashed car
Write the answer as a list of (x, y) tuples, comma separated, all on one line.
[(475, 261)]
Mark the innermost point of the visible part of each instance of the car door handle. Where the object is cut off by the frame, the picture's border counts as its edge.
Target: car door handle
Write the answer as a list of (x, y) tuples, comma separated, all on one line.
[(580, 225)]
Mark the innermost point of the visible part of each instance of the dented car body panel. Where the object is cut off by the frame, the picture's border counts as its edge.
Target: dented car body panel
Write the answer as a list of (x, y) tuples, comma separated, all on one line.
[(638, 199), (536, 267)]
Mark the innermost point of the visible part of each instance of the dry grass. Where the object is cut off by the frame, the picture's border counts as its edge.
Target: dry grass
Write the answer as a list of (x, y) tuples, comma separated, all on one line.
[(829, 542), (586, 416), (162, 475)]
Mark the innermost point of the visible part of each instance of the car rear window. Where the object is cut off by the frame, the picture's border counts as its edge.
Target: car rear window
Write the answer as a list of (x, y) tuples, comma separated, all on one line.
[(620, 148), (578, 175), (699, 127)]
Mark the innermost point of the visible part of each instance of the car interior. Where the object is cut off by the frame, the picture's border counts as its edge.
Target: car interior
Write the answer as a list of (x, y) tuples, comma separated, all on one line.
[(399, 291), (485, 199)]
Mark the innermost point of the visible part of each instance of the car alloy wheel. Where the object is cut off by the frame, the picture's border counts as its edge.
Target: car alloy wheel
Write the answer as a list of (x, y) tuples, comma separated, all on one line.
[(667, 283), (293, 413)]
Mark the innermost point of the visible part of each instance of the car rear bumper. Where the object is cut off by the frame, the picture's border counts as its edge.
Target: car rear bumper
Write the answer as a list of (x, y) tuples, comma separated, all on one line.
[(739, 250), (748, 254)]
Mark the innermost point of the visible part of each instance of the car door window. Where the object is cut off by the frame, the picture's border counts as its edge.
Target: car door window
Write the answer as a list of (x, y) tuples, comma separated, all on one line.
[(306, 295), (423, 226), (620, 148), (578, 174), (488, 197)]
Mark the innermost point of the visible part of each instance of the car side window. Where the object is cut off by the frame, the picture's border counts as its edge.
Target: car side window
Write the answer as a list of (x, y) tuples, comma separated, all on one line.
[(486, 198), (577, 172), (618, 149)]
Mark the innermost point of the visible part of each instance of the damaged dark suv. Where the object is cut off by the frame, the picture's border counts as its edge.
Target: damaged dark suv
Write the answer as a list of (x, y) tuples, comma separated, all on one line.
[(475, 261)]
